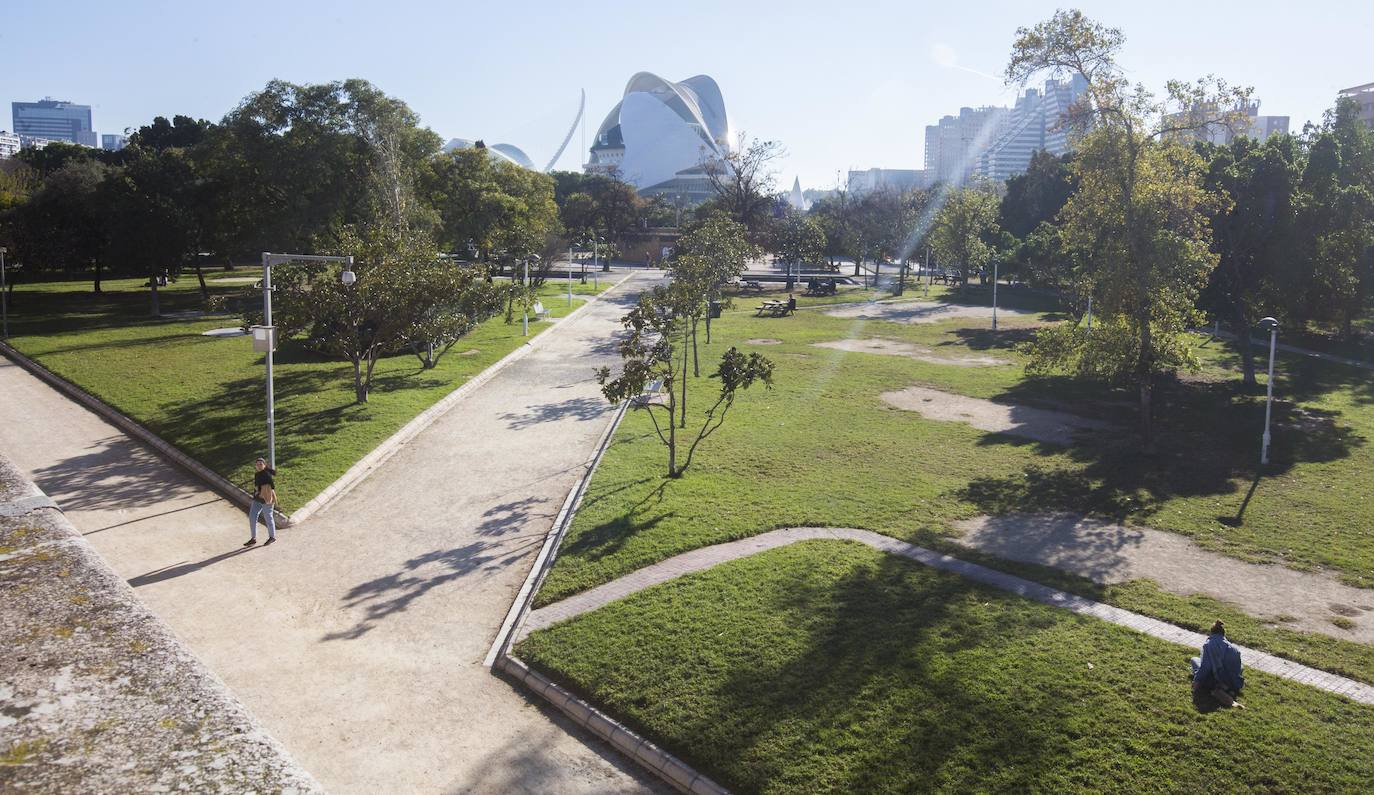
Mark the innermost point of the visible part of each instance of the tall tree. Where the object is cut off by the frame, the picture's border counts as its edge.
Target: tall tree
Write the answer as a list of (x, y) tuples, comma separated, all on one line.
[(798, 240), (744, 181), (62, 225), (1137, 222), (965, 229)]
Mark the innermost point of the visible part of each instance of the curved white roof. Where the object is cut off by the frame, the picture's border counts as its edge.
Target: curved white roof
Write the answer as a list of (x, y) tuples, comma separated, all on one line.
[(509, 153), (665, 127)]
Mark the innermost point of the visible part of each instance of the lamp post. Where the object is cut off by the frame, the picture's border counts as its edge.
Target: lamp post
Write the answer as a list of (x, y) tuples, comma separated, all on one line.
[(1090, 314), (4, 297), (994, 295), (1273, 326), (265, 336), (570, 264)]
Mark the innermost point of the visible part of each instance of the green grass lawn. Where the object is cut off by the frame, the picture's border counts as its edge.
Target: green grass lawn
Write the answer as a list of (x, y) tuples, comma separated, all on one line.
[(206, 395), (827, 666), (822, 449)]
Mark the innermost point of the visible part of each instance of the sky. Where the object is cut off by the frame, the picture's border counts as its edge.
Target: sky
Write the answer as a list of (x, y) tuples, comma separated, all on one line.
[(842, 85)]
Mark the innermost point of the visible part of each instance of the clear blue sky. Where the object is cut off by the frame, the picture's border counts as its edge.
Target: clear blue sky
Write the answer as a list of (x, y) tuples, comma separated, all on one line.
[(842, 84)]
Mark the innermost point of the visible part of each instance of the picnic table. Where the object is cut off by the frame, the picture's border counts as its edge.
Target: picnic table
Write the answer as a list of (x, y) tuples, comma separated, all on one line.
[(751, 284), (776, 308)]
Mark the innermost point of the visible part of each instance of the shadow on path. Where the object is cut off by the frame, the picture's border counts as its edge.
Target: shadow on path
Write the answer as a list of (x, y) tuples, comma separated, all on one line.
[(182, 569)]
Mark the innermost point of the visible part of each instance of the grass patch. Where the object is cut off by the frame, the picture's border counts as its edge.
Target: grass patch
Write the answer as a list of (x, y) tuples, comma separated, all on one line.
[(206, 395), (829, 667)]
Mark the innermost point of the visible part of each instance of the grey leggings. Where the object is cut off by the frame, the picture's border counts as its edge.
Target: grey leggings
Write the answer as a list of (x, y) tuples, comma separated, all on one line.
[(264, 510)]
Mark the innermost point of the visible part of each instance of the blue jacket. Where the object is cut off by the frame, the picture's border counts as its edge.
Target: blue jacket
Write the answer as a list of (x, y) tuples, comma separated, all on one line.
[(1220, 664)]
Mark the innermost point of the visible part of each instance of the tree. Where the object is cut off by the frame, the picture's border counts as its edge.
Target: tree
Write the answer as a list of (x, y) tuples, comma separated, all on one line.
[(62, 225), (1037, 195), (712, 252), (798, 239), (964, 229), (182, 132), (1136, 225), (151, 216), (651, 356), (743, 181), (390, 306), (452, 301), (1253, 233)]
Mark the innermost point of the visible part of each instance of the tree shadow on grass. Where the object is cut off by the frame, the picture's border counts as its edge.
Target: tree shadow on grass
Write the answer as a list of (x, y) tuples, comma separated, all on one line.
[(607, 538), (871, 700), (985, 339), (1207, 437), (383, 597)]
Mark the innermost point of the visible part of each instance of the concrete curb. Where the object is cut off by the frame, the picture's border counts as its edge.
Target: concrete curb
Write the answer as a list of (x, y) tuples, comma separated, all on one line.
[(682, 777), (364, 467), (213, 479)]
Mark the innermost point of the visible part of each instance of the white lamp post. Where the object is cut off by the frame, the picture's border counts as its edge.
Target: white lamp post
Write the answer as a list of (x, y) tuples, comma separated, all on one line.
[(1273, 326), (265, 336), (994, 295)]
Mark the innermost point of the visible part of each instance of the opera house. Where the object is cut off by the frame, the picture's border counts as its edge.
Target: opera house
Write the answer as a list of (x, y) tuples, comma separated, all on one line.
[(659, 134)]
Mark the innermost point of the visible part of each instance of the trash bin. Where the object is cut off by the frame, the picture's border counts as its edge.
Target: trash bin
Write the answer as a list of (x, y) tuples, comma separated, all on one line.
[(714, 309)]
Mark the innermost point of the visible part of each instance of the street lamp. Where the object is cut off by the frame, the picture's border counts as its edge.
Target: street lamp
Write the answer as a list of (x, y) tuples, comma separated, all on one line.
[(994, 295), (1273, 326), (265, 336)]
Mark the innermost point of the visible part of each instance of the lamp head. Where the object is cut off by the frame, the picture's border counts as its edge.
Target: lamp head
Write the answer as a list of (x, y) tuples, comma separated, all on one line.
[(1269, 323)]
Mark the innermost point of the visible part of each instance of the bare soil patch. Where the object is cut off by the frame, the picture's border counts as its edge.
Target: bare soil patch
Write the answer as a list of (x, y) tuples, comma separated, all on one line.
[(1107, 552), (918, 352), (1042, 425), (925, 312), (764, 341)]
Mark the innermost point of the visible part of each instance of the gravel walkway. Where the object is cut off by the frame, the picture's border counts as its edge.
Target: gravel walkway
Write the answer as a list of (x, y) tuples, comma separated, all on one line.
[(708, 557), (1109, 553)]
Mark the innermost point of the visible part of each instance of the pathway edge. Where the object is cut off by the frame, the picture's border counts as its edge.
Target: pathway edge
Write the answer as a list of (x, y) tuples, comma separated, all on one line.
[(364, 467)]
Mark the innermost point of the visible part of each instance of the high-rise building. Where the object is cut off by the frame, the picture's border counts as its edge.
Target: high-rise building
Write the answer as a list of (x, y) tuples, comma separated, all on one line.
[(55, 120), (9, 144), (896, 179), (954, 146), (1364, 95), (1033, 125), (113, 142), (1252, 125)]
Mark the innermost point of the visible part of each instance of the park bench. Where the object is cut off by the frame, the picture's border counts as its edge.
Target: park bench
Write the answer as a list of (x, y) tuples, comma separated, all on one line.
[(541, 311), (751, 284)]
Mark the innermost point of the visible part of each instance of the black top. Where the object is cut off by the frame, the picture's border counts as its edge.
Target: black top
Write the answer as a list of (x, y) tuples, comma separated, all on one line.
[(263, 478)]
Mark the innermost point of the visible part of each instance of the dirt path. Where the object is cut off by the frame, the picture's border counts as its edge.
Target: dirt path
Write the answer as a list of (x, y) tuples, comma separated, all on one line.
[(924, 312), (920, 353), (1109, 553), (1042, 425), (708, 557)]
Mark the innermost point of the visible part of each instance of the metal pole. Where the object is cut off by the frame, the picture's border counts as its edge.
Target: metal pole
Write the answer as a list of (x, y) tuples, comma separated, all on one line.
[(994, 295), (4, 297), (570, 264), (267, 321), (1090, 314), (524, 303), (1269, 401)]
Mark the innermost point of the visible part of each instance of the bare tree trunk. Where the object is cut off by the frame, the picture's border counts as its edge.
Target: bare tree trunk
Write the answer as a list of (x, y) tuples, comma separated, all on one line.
[(1145, 372), (157, 309), (683, 410), (696, 364), (200, 276), (359, 390), (96, 263), (672, 435), (1247, 350)]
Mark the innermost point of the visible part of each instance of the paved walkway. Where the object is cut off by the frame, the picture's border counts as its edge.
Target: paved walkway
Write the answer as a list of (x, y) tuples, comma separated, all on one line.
[(707, 557), (1261, 347), (358, 638)]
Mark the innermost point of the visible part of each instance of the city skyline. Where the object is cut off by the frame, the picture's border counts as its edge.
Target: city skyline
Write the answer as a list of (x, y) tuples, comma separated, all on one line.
[(874, 88)]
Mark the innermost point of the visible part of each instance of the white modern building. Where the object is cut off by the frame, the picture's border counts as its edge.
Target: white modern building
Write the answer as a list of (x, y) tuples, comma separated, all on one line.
[(795, 198), (894, 179), (503, 153), (1364, 95), (55, 120), (1032, 125), (1253, 126), (113, 142), (660, 133), (9, 144)]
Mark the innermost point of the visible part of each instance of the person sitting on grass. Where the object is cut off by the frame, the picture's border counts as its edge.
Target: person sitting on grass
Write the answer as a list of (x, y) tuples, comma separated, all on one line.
[(1217, 671)]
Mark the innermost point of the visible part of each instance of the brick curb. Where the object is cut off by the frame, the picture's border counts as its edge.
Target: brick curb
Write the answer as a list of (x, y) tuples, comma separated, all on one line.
[(679, 774), (213, 479), (708, 557), (364, 467)]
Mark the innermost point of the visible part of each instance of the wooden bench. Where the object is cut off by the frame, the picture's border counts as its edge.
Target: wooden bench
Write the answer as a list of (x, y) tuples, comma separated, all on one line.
[(773, 308)]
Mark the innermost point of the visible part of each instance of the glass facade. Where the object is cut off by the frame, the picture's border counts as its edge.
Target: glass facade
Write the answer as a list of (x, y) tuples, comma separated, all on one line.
[(54, 120)]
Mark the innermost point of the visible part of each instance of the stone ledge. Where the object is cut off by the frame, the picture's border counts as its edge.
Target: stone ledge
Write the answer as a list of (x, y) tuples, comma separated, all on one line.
[(96, 693)]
